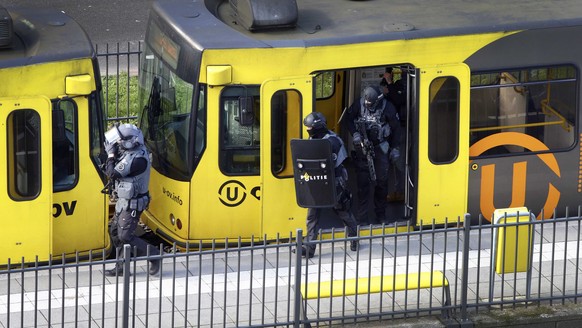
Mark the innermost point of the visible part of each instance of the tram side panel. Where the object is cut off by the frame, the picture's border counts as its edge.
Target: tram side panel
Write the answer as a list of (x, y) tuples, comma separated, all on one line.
[(524, 139)]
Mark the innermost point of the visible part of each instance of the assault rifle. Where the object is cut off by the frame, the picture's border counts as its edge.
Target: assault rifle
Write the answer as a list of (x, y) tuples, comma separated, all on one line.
[(367, 147)]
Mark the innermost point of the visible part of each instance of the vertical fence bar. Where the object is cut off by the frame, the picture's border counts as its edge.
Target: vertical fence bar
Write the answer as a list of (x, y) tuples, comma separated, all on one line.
[(62, 287), (173, 299), (277, 242), (126, 284), (577, 254), (297, 300), (238, 251), (77, 286), (36, 290), (566, 224), (199, 283), (478, 275), (465, 272), (186, 284), (333, 242), (264, 278), (251, 278), (419, 269), (289, 268), (225, 280), (212, 272), (553, 259), (22, 292)]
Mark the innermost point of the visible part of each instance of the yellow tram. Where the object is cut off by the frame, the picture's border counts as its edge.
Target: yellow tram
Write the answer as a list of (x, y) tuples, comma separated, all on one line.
[(491, 114), (51, 120)]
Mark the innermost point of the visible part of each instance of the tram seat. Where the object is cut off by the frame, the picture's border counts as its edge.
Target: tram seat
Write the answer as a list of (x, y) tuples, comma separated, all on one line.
[(377, 284)]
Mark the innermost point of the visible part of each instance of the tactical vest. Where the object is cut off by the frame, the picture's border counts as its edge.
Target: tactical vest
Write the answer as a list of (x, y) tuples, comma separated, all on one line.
[(131, 187), (377, 128)]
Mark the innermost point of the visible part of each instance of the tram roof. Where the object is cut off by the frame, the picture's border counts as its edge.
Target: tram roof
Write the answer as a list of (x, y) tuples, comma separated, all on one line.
[(210, 23), (44, 35)]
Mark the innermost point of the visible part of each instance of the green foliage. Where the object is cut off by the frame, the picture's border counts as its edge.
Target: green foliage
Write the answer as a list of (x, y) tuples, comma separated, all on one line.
[(120, 94)]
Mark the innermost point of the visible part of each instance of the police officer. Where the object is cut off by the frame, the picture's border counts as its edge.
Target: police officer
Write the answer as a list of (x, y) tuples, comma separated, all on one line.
[(128, 167), (395, 92), (316, 125), (372, 120)]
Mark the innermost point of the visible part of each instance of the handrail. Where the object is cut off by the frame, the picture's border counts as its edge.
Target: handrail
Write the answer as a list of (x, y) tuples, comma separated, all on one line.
[(526, 125), (546, 109), (512, 79)]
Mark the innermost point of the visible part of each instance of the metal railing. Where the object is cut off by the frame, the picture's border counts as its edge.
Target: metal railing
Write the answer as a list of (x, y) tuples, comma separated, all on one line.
[(258, 285), (119, 66)]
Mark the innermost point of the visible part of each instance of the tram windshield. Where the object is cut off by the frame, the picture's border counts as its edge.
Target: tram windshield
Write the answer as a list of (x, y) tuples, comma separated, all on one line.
[(167, 107)]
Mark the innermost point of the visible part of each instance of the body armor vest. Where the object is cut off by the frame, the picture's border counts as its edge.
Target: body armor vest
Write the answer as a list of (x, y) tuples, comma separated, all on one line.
[(132, 187), (377, 128)]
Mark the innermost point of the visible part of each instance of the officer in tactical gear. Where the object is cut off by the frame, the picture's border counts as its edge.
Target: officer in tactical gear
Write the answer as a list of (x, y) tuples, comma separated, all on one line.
[(316, 125), (395, 91), (372, 120), (128, 168)]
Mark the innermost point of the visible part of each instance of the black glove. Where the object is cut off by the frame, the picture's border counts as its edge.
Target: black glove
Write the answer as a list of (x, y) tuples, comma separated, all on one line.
[(394, 154), (357, 139)]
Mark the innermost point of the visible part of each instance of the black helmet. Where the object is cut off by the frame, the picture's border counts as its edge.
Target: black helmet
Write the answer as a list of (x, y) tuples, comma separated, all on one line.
[(370, 96), (315, 121)]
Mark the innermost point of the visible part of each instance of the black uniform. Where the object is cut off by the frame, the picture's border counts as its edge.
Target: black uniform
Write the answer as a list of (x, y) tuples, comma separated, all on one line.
[(381, 125), (342, 208)]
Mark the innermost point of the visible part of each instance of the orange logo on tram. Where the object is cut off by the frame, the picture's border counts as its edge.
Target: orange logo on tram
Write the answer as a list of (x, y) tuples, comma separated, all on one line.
[(519, 172)]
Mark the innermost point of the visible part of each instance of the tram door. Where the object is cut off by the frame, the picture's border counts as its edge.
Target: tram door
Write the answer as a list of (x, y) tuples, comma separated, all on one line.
[(284, 102), (443, 152), (26, 180)]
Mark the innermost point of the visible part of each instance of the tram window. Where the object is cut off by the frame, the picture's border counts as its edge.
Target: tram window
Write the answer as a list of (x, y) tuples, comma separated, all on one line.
[(285, 125), (240, 136), (324, 85), (23, 154), (443, 117), (64, 145), (539, 102), (167, 101), (96, 127)]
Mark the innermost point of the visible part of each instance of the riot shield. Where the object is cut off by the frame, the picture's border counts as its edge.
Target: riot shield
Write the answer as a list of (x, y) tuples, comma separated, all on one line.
[(314, 173)]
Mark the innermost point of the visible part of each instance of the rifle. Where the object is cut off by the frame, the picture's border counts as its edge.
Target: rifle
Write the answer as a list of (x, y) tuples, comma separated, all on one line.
[(367, 147)]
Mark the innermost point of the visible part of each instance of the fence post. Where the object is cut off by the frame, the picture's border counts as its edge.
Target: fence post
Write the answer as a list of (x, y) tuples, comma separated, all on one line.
[(126, 274), (465, 273), (298, 298)]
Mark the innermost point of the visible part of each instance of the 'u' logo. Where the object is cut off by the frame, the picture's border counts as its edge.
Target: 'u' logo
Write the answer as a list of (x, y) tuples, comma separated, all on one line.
[(519, 172)]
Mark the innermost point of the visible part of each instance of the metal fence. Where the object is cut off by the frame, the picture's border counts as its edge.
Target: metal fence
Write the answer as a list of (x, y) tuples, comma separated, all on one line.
[(119, 66), (483, 266)]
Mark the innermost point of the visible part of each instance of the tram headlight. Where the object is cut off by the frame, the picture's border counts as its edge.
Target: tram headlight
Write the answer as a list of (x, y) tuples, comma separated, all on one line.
[(172, 219)]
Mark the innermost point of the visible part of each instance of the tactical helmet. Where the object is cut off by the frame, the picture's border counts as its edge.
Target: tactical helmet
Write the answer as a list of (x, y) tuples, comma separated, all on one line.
[(371, 98), (315, 121), (131, 136)]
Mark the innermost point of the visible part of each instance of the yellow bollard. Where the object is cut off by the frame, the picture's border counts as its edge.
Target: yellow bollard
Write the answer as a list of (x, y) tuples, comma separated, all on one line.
[(514, 243)]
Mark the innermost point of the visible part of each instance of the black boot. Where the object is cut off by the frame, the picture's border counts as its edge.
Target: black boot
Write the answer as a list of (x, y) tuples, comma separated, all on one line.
[(116, 271), (306, 253), (354, 245), (154, 267)]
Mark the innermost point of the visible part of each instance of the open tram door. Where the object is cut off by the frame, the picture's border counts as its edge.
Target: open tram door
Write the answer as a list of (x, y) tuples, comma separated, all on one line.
[(443, 152), (284, 102), (26, 183)]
